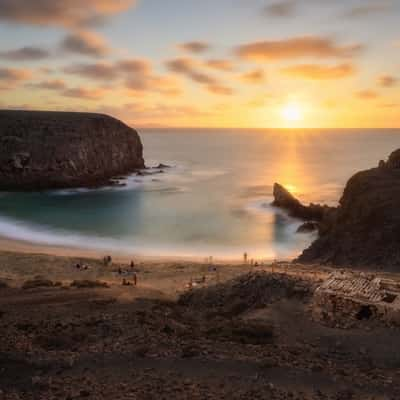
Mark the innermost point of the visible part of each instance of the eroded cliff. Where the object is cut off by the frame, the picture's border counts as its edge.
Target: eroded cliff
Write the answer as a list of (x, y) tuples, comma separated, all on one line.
[(46, 150)]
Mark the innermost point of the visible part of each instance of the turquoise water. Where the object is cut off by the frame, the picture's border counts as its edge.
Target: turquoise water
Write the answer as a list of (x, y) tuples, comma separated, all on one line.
[(215, 199)]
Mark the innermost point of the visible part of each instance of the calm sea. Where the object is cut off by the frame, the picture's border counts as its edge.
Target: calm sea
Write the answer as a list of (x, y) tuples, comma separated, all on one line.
[(214, 201)]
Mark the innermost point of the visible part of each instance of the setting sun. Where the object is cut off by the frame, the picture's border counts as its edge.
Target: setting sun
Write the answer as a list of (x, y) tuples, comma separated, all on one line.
[(292, 113)]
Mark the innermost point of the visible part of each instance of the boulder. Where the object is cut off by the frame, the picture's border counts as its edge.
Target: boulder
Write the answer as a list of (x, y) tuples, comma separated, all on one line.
[(37, 283), (365, 230), (48, 150), (88, 284)]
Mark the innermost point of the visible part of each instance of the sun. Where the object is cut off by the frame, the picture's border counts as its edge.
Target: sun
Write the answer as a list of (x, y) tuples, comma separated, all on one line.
[(292, 113)]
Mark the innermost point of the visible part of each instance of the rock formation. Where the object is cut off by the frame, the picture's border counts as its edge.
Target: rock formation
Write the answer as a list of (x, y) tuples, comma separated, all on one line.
[(365, 229), (45, 150), (285, 200)]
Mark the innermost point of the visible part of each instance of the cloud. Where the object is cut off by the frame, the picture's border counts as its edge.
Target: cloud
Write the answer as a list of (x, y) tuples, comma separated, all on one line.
[(136, 73), (96, 71), (134, 66), (387, 81), (111, 71), (10, 77), (60, 13), (25, 54), (219, 64), (220, 89), (364, 10), (256, 76), (85, 43), (191, 69), (194, 47), (367, 94), (296, 47), (283, 8), (56, 84), (153, 83), (319, 72), (83, 93)]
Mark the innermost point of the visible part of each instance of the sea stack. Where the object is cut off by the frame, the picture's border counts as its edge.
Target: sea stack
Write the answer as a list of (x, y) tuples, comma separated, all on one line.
[(48, 150)]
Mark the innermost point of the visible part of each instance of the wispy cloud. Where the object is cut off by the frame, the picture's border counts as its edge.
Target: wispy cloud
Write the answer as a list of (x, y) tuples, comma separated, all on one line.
[(282, 8), (192, 70), (10, 77), (367, 94), (60, 13), (27, 53), (96, 71), (56, 84), (387, 81), (85, 43), (135, 73), (367, 8), (220, 64), (84, 93), (257, 76), (296, 47), (194, 47), (320, 72)]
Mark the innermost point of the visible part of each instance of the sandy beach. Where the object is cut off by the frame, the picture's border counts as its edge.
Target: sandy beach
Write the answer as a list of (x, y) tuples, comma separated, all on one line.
[(215, 331)]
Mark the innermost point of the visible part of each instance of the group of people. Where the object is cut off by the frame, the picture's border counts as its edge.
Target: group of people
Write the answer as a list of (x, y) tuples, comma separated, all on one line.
[(132, 273), (82, 267), (253, 263)]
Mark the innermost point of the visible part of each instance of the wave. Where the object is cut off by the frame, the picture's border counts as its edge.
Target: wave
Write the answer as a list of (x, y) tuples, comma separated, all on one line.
[(21, 231)]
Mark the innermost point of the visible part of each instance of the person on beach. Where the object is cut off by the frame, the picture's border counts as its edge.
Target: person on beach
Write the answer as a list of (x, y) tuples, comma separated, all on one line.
[(134, 279), (107, 260), (245, 258), (132, 265)]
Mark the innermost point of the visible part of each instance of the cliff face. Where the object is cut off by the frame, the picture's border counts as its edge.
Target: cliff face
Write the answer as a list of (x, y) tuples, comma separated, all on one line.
[(42, 150), (366, 228), (312, 212)]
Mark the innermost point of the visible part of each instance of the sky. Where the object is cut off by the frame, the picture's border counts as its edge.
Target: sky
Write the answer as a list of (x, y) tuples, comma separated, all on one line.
[(209, 63)]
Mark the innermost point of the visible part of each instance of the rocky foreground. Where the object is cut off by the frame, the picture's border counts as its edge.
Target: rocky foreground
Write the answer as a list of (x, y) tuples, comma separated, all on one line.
[(47, 150), (250, 337), (364, 230)]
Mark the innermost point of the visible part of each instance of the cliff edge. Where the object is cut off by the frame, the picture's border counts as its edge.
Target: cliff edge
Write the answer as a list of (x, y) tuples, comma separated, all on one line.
[(364, 230), (366, 227), (47, 150)]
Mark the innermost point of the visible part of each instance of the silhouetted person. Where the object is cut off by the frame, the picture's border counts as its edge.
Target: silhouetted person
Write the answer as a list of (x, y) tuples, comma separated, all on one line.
[(245, 258), (135, 279)]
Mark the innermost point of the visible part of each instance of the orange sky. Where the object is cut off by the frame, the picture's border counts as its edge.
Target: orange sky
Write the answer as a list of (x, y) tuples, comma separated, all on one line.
[(226, 63)]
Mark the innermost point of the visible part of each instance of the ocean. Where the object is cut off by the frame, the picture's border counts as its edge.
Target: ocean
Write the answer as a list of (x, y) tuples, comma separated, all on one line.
[(214, 201)]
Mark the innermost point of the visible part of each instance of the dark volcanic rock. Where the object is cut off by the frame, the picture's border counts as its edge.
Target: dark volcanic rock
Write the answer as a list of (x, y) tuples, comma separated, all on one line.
[(284, 199), (309, 226), (42, 150), (366, 228)]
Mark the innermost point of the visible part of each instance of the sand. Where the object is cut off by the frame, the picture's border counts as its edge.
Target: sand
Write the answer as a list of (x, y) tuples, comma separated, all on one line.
[(240, 332)]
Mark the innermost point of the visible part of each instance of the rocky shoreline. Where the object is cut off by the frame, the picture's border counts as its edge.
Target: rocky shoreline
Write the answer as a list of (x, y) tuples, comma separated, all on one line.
[(53, 150), (363, 230)]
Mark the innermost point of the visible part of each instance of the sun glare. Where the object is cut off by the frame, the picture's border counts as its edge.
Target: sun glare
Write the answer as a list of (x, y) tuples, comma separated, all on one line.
[(292, 113)]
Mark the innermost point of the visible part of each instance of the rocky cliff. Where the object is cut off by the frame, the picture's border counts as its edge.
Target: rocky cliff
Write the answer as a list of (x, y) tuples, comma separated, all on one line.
[(365, 229), (284, 199), (42, 150)]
